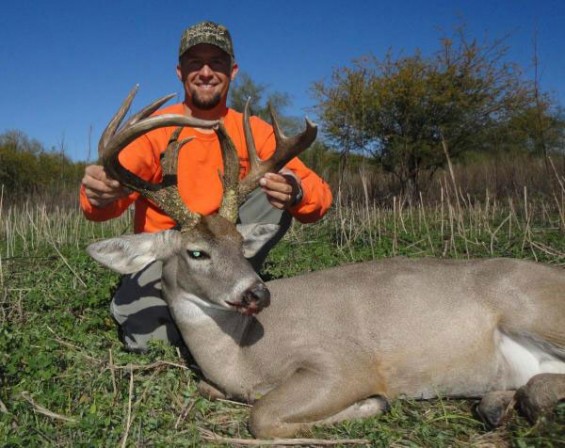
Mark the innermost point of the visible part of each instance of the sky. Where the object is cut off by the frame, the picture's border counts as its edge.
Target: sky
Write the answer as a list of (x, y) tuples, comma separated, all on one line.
[(67, 65)]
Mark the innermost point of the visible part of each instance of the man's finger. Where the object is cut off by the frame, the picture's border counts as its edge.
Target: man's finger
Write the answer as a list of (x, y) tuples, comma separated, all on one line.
[(97, 172), (279, 184)]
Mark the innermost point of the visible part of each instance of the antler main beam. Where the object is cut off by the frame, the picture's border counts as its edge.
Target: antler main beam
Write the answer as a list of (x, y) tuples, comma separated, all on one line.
[(115, 137)]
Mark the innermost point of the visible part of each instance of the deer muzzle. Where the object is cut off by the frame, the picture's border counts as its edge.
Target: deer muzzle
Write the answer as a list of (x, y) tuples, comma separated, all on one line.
[(253, 300)]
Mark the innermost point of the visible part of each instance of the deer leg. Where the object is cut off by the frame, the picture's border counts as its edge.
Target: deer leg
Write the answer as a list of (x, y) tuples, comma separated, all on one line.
[(210, 392), (366, 408), (540, 395), (308, 398), (494, 407)]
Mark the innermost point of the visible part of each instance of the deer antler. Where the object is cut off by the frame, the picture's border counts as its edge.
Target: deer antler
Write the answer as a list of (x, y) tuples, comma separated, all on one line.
[(287, 148), (165, 194), (114, 138)]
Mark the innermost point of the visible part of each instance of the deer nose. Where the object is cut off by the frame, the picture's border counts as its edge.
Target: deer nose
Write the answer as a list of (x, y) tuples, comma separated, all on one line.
[(257, 297)]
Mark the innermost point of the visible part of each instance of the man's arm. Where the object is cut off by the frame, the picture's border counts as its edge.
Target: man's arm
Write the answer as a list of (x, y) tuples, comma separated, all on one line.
[(296, 187), (101, 197), (316, 198)]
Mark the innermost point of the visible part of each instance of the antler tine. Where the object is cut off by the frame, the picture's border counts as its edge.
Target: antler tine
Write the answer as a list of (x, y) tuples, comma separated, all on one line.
[(148, 110), (168, 197), (116, 120), (230, 178), (286, 149), (254, 160), (115, 138)]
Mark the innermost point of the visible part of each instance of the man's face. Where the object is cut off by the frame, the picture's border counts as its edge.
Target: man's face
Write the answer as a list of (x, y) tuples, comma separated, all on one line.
[(206, 72)]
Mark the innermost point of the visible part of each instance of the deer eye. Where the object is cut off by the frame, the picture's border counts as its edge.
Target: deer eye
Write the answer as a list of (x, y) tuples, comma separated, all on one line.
[(197, 255)]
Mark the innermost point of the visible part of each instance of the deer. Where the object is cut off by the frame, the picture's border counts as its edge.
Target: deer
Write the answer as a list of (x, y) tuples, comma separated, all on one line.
[(340, 343)]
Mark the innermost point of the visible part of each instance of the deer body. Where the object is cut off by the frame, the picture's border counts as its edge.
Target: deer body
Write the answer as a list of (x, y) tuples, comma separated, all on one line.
[(331, 341), (395, 327), (336, 344)]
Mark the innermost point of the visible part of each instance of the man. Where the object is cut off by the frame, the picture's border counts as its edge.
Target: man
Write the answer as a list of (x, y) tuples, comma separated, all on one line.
[(206, 68)]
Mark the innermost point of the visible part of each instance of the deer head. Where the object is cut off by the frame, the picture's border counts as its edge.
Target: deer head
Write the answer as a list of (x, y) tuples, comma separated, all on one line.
[(204, 257)]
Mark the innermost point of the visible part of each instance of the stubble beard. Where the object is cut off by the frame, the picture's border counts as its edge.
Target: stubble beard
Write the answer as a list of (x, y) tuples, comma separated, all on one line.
[(206, 104)]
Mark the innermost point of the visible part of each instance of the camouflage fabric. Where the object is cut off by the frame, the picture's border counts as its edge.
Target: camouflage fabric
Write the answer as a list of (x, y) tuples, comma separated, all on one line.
[(206, 33)]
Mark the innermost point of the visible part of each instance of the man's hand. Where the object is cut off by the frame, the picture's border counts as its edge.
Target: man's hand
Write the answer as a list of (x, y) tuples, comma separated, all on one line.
[(283, 189), (100, 189)]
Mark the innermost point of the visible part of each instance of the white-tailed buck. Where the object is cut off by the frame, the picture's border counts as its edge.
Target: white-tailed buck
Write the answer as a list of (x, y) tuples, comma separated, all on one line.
[(338, 344)]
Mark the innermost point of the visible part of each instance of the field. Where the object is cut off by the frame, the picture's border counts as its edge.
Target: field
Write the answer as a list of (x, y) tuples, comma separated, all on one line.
[(65, 380)]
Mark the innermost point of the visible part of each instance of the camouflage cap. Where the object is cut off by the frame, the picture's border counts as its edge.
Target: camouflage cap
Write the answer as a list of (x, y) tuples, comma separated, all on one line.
[(206, 33)]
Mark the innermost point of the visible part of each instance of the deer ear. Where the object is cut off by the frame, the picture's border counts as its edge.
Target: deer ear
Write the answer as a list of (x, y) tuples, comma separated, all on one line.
[(255, 236), (131, 253)]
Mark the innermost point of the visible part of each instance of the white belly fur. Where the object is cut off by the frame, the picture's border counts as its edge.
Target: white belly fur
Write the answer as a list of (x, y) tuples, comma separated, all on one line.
[(525, 359)]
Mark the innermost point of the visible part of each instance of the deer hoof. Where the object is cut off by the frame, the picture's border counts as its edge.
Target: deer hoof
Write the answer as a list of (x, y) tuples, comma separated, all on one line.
[(540, 395), (494, 407)]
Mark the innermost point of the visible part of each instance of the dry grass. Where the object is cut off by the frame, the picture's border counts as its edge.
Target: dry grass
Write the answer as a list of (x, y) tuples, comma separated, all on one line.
[(29, 227)]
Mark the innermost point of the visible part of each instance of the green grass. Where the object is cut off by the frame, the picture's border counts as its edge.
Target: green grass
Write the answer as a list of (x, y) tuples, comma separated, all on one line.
[(65, 380)]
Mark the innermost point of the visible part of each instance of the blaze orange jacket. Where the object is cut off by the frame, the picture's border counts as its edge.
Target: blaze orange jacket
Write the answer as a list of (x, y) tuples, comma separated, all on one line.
[(198, 180)]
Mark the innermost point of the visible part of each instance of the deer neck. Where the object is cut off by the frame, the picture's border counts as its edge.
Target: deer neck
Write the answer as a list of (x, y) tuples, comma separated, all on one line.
[(216, 337)]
